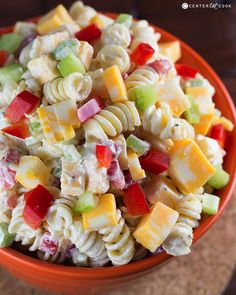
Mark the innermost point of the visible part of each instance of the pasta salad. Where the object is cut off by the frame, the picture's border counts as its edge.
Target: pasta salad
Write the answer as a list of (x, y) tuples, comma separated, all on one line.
[(110, 150)]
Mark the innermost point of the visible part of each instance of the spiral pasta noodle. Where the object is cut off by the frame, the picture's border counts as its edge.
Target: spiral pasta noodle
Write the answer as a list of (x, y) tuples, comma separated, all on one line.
[(111, 55), (5, 212), (29, 83), (116, 34), (24, 56), (81, 13), (181, 129), (90, 243), (142, 76), (118, 242), (111, 121), (8, 94), (23, 232), (74, 86), (180, 239), (57, 258)]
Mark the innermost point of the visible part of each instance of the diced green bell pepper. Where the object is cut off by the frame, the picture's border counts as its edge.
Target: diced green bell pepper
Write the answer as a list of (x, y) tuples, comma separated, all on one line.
[(220, 179), (125, 19), (70, 64), (11, 72), (86, 203), (144, 96), (138, 145), (10, 42), (192, 115), (210, 204), (6, 239)]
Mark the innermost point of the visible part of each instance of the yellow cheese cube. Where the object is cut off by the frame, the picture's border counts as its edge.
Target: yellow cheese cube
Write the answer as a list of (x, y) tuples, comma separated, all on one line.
[(155, 226), (135, 168), (32, 171), (170, 92), (101, 20), (171, 49), (203, 99), (43, 69), (189, 168), (104, 215), (115, 84), (54, 19), (123, 157), (161, 189)]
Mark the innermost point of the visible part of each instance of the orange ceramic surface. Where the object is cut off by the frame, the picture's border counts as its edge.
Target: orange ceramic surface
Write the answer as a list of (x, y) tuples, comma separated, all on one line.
[(72, 280)]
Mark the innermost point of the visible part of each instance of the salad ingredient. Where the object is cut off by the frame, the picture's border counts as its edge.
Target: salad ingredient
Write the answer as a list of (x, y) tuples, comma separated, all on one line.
[(89, 33), (220, 178), (104, 215), (70, 64), (185, 71), (12, 72), (125, 19), (142, 53), (135, 200), (48, 244), (65, 48), (155, 161), (164, 219), (20, 130), (32, 171), (210, 204), (6, 239), (24, 103), (10, 42), (144, 96), (192, 114), (86, 203), (135, 169), (3, 57), (137, 145), (218, 133), (116, 176), (7, 176), (104, 155), (89, 109), (171, 49), (38, 201)]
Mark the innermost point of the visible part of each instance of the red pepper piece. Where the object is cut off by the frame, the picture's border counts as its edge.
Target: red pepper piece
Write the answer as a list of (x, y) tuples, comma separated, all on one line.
[(89, 33), (104, 155), (24, 103), (6, 30), (3, 57), (49, 245), (185, 71), (155, 161), (20, 130), (7, 176), (141, 54), (38, 201), (218, 133), (135, 200)]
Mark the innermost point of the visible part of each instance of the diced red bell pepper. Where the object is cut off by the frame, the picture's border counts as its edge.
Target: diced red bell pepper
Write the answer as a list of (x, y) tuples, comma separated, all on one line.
[(218, 133), (3, 57), (89, 109), (155, 161), (185, 71), (38, 201), (135, 200), (49, 245), (6, 30), (104, 155), (116, 176), (12, 202), (7, 176), (89, 33), (24, 103), (20, 130), (142, 53), (161, 66)]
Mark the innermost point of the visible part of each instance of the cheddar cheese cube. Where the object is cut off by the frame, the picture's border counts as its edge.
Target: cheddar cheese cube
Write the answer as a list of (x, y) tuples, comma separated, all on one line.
[(171, 49), (134, 166), (170, 92), (53, 20), (57, 121), (189, 168), (203, 100), (32, 171), (104, 215), (115, 84), (155, 226), (43, 69), (101, 20), (161, 189)]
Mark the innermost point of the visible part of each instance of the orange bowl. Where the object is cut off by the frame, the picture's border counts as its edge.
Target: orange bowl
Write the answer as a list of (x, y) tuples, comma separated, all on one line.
[(69, 280)]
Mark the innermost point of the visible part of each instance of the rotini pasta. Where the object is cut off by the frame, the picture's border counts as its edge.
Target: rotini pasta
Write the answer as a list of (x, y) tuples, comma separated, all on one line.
[(118, 242), (98, 85), (8, 94), (81, 13), (114, 54), (29, 83), (116, 34), (25, 29), (111, 121), (180, 239), (90, 244), (140, 77), (75, 86)]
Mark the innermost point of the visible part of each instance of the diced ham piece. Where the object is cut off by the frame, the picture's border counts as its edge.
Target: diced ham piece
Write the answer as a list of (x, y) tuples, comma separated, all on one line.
[(89, 109), (48, 244), (7, 176), (161, 66), (116, 175)]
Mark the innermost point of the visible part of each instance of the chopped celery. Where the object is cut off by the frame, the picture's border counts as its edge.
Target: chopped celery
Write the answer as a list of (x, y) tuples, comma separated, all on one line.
[(219, 179), (70, 64), (192, 115), (11, 72), (144, 96), (138, 145), (10, 42), (35, 128), (195, 82), (6, 239), (58, 168), (86, 203), (65, 48), (125, 19), (210, 204)]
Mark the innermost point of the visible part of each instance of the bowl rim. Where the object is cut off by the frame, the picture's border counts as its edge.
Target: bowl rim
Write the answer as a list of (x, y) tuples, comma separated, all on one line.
[(148, 263)]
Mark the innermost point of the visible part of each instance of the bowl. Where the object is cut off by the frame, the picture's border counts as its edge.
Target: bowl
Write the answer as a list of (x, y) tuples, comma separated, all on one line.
[(70, 280)]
